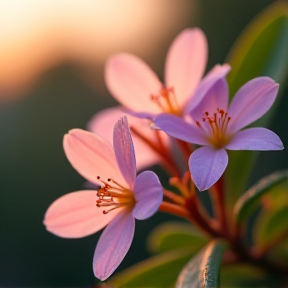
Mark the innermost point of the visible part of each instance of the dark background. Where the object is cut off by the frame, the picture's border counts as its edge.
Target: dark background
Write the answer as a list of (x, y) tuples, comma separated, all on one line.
[(34, 170)]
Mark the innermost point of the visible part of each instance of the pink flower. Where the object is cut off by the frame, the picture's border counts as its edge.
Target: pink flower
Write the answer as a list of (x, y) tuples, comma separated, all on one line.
[(138, 88), (122, 197), (145, 155), (217, 127)]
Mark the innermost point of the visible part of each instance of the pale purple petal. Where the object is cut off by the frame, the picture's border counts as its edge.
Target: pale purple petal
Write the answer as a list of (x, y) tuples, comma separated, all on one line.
[(148, 194), (260, 139), (185, 63), (113, 245), (178, 128), (207, 165), (216, 97), (251, 102), (131, 81), (124, 150), (218, 72), (141, 115)]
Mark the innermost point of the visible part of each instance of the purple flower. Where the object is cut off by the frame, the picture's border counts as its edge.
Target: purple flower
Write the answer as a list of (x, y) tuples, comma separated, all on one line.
[(122, 197), (217, 127)]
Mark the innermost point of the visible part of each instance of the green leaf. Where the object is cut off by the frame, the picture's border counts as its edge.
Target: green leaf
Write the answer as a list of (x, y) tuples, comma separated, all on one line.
[(202, 271), (271, 225), (240, 275), (249, 200), (174, 235), (261, 50), (279, 253), (249, 59), (158, 271)]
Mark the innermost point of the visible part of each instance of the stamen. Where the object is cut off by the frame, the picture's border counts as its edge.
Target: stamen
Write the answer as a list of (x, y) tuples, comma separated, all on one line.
[(166, 100), (114, 195), (216, 127)]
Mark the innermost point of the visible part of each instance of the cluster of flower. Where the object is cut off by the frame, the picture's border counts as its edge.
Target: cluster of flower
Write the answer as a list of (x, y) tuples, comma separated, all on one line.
[(191, 109)]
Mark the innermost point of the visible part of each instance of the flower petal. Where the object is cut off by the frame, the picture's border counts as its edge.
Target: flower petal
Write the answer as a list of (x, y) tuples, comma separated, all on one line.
[(75, 215), (91, 156), (113, 245), (186, 62), (218, 72), (216, 97), (251, 102), (207, 165), (178, 128), (148, 194), (132, 82), (145, 155), (124, 150), (260, 139)]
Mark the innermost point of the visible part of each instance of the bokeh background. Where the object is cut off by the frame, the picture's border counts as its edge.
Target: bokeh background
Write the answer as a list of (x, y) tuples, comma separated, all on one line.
[(52, 56)]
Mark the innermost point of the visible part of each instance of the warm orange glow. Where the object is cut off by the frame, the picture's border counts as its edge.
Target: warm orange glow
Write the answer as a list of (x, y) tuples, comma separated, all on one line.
[(36, 35)]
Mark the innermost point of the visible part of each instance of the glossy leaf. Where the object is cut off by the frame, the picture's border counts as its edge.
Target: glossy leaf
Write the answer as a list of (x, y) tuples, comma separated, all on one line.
[(174, 235), (158, 271), (247, 202), (249, 59), (202, 271)]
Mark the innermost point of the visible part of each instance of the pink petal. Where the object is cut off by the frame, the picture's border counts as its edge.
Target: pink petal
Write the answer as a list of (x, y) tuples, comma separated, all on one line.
[(207, 165), (218, 72), (216, 97), (148, 194), (124, 150), (145, 155), (75, 215), (113, 245), (186, 62), (260, 139), (132, 82), (91, 156), (178, 128), (251, 102)]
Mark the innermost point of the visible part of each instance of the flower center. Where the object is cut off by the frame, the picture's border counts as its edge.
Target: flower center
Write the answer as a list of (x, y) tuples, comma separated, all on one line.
[(113, 195), (166, 100), (216, 126)]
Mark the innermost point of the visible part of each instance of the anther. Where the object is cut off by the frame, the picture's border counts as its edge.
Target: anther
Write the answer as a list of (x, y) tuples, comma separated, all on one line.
[(198, 124)]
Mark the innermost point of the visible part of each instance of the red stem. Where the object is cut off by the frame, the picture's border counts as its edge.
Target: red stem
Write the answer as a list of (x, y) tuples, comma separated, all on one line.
[(218, 195)]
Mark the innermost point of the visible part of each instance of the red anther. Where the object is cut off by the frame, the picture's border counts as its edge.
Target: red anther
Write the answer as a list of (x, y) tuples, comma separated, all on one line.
[(206, 113), (98, 177), (198, 124), (109, 179)]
